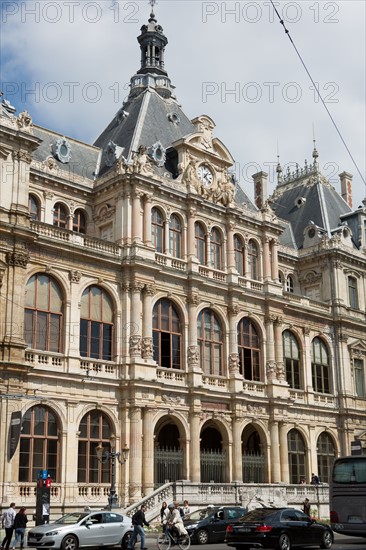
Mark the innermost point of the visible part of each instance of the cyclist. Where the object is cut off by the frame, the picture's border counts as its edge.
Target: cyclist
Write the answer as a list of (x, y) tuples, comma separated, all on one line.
[(174, 521)]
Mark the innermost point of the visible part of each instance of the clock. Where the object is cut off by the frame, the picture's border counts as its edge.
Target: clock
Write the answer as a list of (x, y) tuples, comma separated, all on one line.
[(205, 175)]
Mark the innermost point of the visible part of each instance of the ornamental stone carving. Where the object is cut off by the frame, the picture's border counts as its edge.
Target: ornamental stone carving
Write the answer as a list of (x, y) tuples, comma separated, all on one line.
[(141, 162), (234, 362), (149, 290), (190, 177), (75, 276), (280, 371), (271, 370), (171, 399), (147, 347), (193, 355), (18, 258), (193, 299), (135, 346), (233, 309), (24, 122)]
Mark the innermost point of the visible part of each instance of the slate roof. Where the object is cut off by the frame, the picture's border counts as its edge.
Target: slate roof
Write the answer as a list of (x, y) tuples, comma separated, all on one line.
[(322, 205)]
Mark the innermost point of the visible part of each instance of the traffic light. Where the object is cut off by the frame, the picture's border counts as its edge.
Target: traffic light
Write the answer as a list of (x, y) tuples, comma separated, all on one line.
[(43, 497)]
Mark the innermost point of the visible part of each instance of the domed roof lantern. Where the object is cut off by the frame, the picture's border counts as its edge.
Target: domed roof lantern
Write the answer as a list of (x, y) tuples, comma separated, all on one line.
[(152, 43)]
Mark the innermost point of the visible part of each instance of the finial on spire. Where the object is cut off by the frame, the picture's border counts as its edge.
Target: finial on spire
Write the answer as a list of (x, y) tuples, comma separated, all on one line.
[(279, 168), (152, 14)]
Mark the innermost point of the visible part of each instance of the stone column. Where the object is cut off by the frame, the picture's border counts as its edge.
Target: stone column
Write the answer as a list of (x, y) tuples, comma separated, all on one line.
[(195, 458), (280, 369), (190, 237), (266, 260), (237, 467), (48, 208), (135, 337), (230, 246), (275, 453), (147, 340), (136, 217), (147, 220), (135, 455), (193, 301), (148, 452), (166, 248), (284, 453), (271, 365), (274, 264)]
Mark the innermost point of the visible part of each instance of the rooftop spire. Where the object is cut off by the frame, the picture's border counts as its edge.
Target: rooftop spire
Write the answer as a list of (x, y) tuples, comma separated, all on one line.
[(152, 43)]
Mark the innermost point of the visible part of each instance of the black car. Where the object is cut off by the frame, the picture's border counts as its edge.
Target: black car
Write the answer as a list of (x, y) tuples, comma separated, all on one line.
[(209, 524), (280, 528)]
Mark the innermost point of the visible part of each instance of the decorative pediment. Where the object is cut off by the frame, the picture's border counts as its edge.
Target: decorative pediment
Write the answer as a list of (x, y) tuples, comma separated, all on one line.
[(357, 349)]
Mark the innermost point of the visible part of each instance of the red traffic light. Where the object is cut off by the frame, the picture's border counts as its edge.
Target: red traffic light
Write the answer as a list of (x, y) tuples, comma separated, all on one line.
[(48, 482)]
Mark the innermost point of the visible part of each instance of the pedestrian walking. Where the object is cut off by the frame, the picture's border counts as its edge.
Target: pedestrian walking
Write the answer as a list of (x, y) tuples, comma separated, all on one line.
[(20, 524), (138, 522), (306, 507), (186, 508), (7, 522)]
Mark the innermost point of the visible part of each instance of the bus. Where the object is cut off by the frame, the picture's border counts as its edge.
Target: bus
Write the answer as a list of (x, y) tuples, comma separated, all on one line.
[(347, 496)]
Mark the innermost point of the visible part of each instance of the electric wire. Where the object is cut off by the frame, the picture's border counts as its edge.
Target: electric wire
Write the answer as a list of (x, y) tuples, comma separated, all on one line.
[(317, 91)]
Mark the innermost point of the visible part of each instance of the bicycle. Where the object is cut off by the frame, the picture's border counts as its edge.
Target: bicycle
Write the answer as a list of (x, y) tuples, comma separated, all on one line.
[(167, 539)]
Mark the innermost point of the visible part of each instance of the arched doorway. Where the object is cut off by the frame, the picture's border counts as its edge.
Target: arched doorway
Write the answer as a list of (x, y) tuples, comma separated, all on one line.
[(168, 460), (213, 457), (253, 457)]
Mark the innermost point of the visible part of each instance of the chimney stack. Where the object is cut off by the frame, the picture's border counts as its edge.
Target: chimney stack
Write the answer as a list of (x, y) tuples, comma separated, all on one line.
[(260, 189), (346, 187)]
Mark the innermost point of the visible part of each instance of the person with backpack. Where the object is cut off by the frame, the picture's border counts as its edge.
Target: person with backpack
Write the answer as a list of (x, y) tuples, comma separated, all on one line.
[(7, 521), (138, 522), (20, 524)]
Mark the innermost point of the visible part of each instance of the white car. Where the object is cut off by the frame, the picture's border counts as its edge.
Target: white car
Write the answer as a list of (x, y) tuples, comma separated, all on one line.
[(82, 529)]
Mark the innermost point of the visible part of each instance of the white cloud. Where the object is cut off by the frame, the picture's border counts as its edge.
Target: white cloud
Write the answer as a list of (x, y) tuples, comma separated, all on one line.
[(230, 51)]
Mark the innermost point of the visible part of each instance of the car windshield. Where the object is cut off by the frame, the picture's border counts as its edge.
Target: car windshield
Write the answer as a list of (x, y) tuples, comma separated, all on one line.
[(197, 515), (70, 519), (259, 514)]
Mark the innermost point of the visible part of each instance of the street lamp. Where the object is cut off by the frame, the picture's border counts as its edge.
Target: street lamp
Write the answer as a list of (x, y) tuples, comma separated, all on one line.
[(104, 456)]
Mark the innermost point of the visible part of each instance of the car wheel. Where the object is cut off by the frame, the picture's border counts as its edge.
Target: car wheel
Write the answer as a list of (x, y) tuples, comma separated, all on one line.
[(284, 542), (327, 540), (202, 536), (70, 542), (126, 539)]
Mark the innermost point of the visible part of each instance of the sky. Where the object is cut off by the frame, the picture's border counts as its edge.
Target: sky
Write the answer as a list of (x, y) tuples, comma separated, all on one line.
[(69, 62)]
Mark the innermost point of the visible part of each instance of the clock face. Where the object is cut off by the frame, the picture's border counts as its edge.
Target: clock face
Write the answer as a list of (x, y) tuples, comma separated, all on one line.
[(205, 175)]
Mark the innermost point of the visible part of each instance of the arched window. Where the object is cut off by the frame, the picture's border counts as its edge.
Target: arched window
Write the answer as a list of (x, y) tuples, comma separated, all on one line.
[(96, 324), (216, 249), (157, 230), (175, 237), (79, 221), (210, 342), (239, 255), (200, 243), (249, 350), (320, 366), (352, 292), (291, 359), (326, 455), (34, 209), (359, 377), (290, 284), (296, 456), (94, 429), (43, 314), (60, 215), (167, 335), (39, 444), (253, 267)]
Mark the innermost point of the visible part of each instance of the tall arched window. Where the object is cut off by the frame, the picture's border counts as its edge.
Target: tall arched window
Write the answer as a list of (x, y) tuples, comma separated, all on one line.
[(79, 221), (291, 359), (320, 366), (253, 267), (200, 243), (239, 255), (167, 335), (290, 284), (352, 292), (43, 314), (175, 237), (210, 342), (326, 455), (94, 429), (296, 456), (216, 248), (157, 230), (249, 350), (96, 324), (60, 215), (39, 444), (34, 209)]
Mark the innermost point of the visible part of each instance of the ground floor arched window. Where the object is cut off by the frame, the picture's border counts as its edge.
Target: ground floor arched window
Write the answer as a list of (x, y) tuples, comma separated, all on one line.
[(252, 457), (94, 429), (296, 456), (326, 454), (213, 457), (168, 456)]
